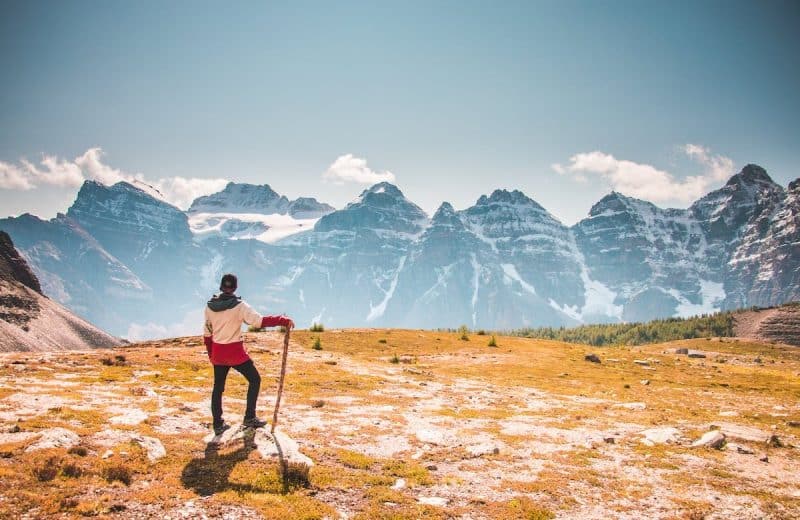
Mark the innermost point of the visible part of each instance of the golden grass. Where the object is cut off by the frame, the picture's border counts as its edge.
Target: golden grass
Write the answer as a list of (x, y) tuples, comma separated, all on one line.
[(689, 392)]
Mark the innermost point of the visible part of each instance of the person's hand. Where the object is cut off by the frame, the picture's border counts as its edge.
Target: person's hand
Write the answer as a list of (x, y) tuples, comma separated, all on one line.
[(290, 324)]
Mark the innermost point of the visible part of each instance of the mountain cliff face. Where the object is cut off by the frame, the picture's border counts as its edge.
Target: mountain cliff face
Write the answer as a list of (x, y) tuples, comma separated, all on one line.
[(504, 262), (251, 198), (30, 321)]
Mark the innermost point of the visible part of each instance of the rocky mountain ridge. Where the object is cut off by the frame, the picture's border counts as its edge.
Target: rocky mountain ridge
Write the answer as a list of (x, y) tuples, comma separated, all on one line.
[(503, 263), (32, 322)]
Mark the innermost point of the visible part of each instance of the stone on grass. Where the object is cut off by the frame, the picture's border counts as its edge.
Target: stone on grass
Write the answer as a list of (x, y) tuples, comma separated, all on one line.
[(696, 354), (399, 484), (645, 382), (682, 351), (662, 435), (738, 448), (478, 450), (130, 417), (55, 438), (632, 406), (155, 450), (714, 439), (642, 362), (280, 445), (433, 501), (592, 357)]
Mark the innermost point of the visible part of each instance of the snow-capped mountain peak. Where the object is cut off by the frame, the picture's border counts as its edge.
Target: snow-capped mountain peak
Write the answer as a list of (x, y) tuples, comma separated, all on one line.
[(751, 174), (379, 207)]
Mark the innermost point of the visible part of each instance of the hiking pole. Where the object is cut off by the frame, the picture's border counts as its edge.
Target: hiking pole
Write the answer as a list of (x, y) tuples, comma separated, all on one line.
[(280, 381)]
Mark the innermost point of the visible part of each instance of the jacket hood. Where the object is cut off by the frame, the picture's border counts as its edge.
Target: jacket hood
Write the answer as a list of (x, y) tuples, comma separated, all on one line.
[(223, 302)]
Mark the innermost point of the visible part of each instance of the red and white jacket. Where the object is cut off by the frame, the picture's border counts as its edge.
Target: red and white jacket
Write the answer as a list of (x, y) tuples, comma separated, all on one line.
[(222, 333)]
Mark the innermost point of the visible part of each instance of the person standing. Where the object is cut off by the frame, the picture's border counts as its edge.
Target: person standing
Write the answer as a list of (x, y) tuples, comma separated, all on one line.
[(222, 334)]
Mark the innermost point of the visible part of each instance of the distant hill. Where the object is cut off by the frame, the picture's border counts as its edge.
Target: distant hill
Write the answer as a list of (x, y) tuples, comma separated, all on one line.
[(31, 321), (775, 324)]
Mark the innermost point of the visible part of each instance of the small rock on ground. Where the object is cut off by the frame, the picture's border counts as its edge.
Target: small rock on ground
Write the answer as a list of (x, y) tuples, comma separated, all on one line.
[(713, 439)]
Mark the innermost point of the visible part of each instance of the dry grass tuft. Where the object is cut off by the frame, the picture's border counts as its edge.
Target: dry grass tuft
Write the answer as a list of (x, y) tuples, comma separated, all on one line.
[(118, 473), (47, 470)]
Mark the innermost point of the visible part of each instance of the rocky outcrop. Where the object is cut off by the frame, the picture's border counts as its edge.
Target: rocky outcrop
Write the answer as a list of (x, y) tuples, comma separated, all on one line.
[(779, 324), (13, 266), (29, 320)]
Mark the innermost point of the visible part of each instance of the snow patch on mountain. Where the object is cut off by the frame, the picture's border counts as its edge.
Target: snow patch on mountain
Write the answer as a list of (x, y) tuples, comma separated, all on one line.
[(377, 311), (570, 310), (712, 294), (239, 226), (476, 268), (511, 272), (598, 298)]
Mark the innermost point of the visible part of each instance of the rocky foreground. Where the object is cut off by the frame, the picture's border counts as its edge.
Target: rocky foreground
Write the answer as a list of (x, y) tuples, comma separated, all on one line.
[(407, 424)]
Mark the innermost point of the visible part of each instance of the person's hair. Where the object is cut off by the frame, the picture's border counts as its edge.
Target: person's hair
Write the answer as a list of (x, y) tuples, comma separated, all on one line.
[(228, 282)]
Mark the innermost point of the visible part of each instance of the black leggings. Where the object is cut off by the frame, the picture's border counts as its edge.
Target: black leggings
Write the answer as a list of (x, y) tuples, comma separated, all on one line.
[(248, 370)]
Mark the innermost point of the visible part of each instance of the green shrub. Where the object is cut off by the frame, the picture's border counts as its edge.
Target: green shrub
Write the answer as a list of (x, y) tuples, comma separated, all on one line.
[(481, 332), (492, 342), (382, 340), (317, 327), (394, 359), (464, 331), (317, 344)]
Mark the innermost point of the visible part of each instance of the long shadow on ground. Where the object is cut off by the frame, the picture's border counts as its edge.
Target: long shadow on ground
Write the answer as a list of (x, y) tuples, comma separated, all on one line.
[(211, 474)]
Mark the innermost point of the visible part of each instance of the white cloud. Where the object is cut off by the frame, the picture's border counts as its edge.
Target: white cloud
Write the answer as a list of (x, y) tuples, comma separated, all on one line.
[(348, 168), (52, 171), (13, 178), (648, 182), (181, 191), (718, 167), (90, 162)]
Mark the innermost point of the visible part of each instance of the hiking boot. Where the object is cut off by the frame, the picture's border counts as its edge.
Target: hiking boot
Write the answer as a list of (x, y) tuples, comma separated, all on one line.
[(254, 422), (220, 428)]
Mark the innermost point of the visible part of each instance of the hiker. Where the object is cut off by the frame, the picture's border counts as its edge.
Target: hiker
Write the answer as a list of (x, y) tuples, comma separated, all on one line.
[(224, 315)]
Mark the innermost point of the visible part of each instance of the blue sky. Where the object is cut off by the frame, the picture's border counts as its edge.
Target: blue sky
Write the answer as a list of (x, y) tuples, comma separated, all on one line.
[(454, 99)]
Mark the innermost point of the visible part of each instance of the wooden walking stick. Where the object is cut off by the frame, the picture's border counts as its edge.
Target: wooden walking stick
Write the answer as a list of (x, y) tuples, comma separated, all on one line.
[(280, 381)]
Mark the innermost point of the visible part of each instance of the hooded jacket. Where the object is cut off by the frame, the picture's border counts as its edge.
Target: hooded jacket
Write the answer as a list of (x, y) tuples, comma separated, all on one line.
[(222, 332)]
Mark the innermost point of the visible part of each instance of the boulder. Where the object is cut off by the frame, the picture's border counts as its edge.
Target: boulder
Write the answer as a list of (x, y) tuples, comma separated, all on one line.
[(714, 439), (663, 435), (55, 438)]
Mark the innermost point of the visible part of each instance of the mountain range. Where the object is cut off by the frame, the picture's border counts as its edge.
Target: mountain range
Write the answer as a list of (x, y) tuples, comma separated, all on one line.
[(140, 267)]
